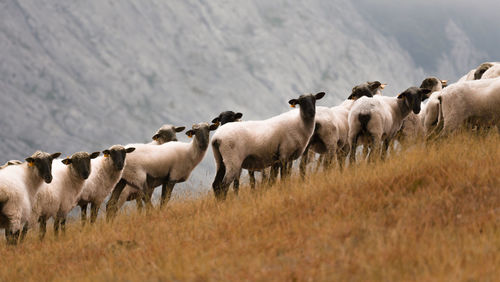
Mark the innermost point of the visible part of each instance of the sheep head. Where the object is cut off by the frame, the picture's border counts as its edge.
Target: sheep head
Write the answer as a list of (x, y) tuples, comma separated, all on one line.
[(166, 133), (41, 162), (80, 163), (413, 97), (227, 116)]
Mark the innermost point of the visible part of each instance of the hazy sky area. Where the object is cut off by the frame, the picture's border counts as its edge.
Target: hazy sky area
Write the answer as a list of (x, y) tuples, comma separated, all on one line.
[(445, 37), (84, 75)]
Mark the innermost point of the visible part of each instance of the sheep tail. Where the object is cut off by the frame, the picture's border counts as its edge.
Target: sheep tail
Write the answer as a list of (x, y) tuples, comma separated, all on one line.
[(363, 120), (221, 169), (440, 122)]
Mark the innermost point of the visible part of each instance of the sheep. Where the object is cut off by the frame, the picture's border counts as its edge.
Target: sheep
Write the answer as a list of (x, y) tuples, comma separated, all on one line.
[(413, 124), (331, 128), (255, 145), (107, 171), (380, 118), (230, 116), (11, 162), (477, 73), (492, 72), (166, 133), (57, 199), (166, 164), (475, 102), (18, 186)]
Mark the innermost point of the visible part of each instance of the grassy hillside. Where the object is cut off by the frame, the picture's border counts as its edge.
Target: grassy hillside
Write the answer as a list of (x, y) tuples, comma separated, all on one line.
[(429, 213)]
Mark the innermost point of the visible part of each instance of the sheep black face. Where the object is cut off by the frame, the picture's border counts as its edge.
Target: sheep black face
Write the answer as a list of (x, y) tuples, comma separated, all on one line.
[(201, 131), (481, 70), (307, 103), (367, 89), (166, 133), (42, 163), (80, 163), (118, 154), (227, 116), (413, 97)]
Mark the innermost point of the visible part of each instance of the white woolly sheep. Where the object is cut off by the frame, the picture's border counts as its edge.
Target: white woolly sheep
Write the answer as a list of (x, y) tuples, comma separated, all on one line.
[(256, 145), (330, 137), (106, 172), (57, 199), (166, 164), (380, 118), (230, 116), (474, 102), (413, 124), (477, 73), (11, 162), (166, 133), (18, 187), (492, 72)]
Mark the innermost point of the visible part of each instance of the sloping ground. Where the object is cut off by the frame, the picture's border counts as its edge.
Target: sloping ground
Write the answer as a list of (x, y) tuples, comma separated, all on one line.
[(428, 213)]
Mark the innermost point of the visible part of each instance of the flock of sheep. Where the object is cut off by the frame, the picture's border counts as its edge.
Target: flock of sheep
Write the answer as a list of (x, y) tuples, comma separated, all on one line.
[(45, 187)]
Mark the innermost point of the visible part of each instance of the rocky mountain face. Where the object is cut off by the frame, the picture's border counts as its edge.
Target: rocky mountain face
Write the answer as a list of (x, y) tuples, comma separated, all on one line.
[(84, 75)]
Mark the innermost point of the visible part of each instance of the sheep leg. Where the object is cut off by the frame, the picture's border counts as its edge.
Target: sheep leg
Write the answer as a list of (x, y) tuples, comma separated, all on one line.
[(304, 160), (11, 237), (148, 197), (264, 176), (352, 155), (94, 210), (385, 149), (376, 148), (56, 226), (111, 207), (274, 172), (341, 156), (236, 184), (24, 232), (43, 227), (251, 174), (166, 192), (63, 225), (217, 185), (83, 213)]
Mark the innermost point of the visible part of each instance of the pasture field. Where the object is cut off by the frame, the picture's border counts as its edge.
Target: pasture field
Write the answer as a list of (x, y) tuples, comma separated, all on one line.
[(428, 213)]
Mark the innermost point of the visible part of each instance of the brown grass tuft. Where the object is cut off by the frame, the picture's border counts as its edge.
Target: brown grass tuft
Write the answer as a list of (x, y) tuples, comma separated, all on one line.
[(431, 212)]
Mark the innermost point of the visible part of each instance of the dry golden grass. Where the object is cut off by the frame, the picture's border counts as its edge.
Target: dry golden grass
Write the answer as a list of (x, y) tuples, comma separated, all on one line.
[(430, 213)]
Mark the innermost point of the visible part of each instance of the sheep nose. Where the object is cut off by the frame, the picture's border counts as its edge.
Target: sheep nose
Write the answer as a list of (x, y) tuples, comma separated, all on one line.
[(86, 175), (48, 179)]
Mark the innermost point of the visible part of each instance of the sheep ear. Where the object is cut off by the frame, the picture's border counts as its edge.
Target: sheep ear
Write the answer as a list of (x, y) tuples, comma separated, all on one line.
[(190, 133), (106, 153), (66, 161), (156, 136), (94, 155), (30, 161), (293, 102), (180, 128), (55, 155), (130, 150), (444, 83), (238, 115), (213, 127), (216, 120), (401, 96), (351, 97), (319, 95)]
